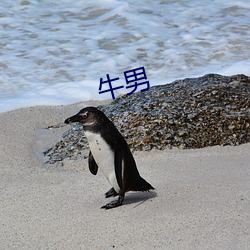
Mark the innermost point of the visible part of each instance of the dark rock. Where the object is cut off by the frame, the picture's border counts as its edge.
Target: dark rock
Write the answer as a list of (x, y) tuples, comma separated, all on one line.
[(190, 113)]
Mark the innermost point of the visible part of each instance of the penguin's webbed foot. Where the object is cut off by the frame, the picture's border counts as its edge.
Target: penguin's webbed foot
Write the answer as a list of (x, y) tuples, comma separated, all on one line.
[(111, 193), (113, 204)]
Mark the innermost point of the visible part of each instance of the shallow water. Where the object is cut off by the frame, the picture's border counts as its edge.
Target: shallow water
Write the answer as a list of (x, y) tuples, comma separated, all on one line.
[(56, 52)]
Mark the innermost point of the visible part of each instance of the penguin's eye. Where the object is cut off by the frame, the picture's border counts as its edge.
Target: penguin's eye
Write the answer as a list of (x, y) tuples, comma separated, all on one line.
[(84, 115)]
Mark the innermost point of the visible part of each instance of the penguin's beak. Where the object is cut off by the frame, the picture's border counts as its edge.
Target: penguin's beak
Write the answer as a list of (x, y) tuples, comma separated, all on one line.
[(74, 118)]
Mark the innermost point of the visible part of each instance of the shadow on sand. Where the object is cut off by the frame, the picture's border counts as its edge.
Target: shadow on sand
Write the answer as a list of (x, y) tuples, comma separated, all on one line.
[(138, 198)]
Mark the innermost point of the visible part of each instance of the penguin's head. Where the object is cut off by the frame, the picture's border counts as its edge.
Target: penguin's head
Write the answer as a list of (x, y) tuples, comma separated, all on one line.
[(88, 117)]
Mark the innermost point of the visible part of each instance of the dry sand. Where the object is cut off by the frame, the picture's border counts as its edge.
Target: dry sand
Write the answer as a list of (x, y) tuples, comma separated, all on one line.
[(201, 201)]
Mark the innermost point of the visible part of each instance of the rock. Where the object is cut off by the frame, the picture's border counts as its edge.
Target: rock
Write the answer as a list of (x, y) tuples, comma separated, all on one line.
[(190, 113)]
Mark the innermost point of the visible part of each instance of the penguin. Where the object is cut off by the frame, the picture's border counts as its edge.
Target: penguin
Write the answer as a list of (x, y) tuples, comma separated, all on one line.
[(110, 152)]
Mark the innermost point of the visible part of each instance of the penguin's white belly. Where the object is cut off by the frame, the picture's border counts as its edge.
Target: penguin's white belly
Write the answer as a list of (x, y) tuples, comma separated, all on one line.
[(104, 157)]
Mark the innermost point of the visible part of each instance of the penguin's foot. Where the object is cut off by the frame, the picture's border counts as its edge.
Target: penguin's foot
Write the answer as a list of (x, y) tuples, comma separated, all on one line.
[(111, 193), (113, 204)]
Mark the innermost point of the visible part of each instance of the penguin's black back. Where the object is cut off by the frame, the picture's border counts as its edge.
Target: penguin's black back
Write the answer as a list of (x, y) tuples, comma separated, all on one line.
[(132, 180)]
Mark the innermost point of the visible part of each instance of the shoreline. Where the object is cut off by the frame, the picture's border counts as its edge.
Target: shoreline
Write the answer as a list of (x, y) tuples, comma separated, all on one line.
[(201, 198)]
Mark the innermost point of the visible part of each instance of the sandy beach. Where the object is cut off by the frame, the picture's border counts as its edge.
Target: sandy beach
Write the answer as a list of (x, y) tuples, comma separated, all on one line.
[(201, 198)]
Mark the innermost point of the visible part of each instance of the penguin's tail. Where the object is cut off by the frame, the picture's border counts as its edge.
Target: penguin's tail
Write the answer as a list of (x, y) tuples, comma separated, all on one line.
[(141, 185)]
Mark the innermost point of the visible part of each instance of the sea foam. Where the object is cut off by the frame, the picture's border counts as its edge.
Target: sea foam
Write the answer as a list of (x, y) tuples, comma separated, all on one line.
[(55, 53)]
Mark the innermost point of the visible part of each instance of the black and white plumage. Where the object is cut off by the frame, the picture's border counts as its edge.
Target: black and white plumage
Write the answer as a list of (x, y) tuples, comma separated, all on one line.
[(110, 152)]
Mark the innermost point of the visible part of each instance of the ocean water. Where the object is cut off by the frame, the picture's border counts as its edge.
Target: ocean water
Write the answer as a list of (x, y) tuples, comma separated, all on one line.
[(55, 52)]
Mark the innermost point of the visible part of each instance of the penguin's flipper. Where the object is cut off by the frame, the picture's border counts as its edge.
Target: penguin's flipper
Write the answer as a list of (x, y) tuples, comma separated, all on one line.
[(111, 193), (93, 167), (118, 166)]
